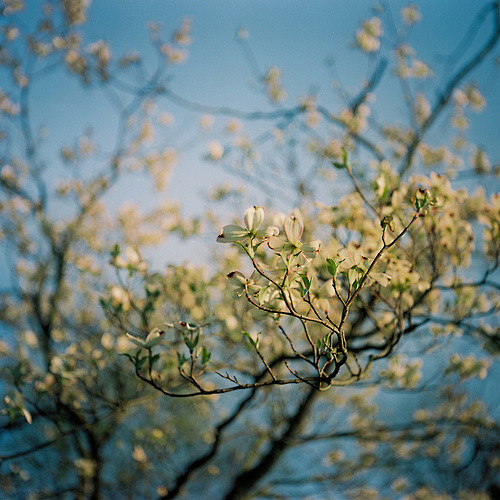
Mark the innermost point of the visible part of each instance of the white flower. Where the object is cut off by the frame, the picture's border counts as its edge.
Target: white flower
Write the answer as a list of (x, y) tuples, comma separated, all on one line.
[(381, 278), (207, 122), (119, 296), (215, 150), (366, 42), (154, 338), (253, 217), (421, 108), (294, 228), (351, 256), (241, 284), (132, 256), (411, 14)]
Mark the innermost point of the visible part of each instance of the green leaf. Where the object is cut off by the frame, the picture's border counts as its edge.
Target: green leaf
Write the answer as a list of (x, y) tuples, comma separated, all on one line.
[(104, 303), (196, 340), (149, 307), (115, 250), (305, 285), (191, 342), (255, 342), (205, 356), (332, 266), (344, 156), (181, 358), (140, 361), (126, 354)]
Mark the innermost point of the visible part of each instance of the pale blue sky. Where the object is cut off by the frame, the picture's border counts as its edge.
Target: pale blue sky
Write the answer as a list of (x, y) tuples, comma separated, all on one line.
[(294, 35)]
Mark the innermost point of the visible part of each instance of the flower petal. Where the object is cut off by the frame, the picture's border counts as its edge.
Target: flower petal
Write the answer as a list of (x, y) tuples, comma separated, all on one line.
[(381, 278), (231, 233), (253, 217), (154, 337), (294, 227), (311, 249), (277, 243), (137, 341), (268, 232), (237, 279)]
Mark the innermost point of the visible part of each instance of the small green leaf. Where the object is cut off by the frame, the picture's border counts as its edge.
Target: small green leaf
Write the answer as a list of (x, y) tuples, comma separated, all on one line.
[(149, 307), (196, 340), (181, 358), (344, 156), (255, 342), (115, 250), (332, 267), (305, 285), (140, 362), (191, 342), (126, 354), (205, 356)]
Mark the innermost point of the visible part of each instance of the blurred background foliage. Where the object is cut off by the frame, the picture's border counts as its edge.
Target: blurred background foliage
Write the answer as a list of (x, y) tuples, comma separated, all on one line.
[(119, 167)]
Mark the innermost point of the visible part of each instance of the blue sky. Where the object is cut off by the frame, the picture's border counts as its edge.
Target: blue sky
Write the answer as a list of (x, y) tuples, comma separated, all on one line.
[(297, 36)]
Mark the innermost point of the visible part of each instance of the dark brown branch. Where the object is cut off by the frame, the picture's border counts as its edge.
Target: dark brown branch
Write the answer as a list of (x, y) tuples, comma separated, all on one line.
[(245, 481)]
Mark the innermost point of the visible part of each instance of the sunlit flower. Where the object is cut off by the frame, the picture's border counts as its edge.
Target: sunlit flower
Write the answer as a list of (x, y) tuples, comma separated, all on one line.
[(366, 42), (351, 256), (294, 227), (411, 15), (139, 455), (207, 122), (233, 126), (475, 98), (120, 297), (183, 35), (253, 217), (173, 54), (166, 119), (367, 37), (153, 338), (216, 150)]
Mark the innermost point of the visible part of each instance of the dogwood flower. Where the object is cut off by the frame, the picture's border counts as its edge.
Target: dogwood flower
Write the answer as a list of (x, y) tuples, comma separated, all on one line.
[(294, 227), (253, 218), (241, 283), (154, 338), (351, 256)]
